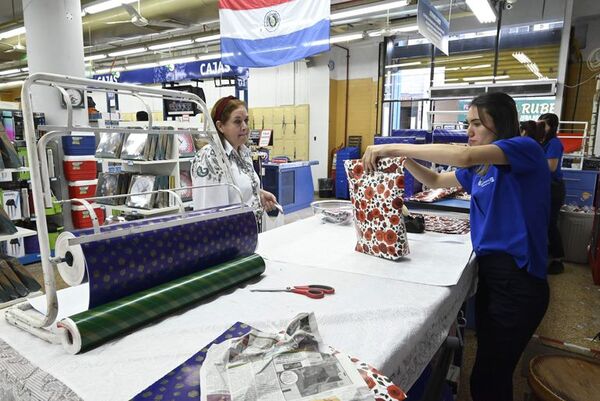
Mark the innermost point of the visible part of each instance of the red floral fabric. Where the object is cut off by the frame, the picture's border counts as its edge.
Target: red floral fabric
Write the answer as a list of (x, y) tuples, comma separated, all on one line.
[(432, 195), (377, 202), (446, 225)]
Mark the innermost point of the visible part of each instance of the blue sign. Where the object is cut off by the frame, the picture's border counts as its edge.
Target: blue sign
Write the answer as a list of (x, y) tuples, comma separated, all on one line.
[(433, 25), (175, 73)]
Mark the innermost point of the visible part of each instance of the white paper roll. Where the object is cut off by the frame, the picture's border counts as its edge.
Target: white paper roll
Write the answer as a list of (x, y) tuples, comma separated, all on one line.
[(76, 273)]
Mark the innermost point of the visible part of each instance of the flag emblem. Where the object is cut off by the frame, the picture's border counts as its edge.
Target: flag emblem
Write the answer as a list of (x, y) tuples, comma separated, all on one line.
[(272, 21)]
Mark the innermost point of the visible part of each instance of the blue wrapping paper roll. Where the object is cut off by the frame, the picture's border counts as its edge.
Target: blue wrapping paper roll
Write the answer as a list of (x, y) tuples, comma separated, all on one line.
[(123, 265)]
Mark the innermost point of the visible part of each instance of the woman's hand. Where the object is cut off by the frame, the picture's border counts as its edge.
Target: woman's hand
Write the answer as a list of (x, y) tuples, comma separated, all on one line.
[(267, 200), (370, 157)]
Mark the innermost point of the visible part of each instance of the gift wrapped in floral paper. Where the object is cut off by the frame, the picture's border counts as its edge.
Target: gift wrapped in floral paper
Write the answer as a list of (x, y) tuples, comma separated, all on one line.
[(377, 202)]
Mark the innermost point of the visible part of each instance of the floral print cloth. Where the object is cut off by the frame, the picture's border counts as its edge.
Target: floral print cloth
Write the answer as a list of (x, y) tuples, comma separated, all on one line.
[(377, 202), (445, 225), (432, 195)]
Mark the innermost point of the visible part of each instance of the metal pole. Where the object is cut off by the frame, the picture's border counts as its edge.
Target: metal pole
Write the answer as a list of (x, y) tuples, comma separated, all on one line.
[(497, 44)]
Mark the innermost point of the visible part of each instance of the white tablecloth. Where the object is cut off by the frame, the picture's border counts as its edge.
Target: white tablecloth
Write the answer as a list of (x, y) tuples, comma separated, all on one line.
[(394, 325), (434, 259)]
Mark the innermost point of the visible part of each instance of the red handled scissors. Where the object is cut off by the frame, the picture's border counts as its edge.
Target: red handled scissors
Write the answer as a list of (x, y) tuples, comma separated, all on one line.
[(315, 291)]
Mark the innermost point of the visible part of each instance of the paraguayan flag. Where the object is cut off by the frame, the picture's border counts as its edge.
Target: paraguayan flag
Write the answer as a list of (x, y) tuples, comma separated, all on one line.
[(265, 33)]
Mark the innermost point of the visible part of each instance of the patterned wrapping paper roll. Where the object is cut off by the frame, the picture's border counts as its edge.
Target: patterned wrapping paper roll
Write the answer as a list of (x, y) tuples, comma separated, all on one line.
[(96, 326), (142, 257)]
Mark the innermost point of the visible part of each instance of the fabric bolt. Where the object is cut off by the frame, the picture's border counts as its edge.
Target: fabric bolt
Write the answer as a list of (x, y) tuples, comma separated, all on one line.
[(183, 382), (272, 32), (124, 265), (432, 195), (446, 225), (377, 202), (103, 323), (503, 215)]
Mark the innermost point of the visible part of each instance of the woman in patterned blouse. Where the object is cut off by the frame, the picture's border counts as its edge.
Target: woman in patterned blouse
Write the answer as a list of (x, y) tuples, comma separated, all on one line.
[(231, 120)]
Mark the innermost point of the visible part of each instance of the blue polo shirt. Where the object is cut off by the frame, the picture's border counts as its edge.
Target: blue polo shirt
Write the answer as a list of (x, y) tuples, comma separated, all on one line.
[(554, 150), (510, 205)]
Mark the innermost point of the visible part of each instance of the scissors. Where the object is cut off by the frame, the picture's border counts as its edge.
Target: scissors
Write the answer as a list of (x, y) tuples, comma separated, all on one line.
[(315, 291)]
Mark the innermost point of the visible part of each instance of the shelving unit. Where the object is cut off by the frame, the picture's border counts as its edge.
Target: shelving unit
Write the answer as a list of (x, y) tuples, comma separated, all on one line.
[(21, 232), (169, 167)]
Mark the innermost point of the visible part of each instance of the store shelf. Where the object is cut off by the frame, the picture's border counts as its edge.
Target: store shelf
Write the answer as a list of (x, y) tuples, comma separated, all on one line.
[(186, 159), (21, 232), (137, 162), (14, 170)]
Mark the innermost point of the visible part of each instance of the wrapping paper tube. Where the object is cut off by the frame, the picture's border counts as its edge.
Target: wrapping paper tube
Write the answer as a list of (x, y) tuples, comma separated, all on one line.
[(96, 326), (136, 257)]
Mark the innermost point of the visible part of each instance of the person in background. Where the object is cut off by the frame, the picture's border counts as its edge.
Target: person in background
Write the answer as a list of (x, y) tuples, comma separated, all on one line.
[(533, 129), (503, 172), (231, 120), (554, 153)]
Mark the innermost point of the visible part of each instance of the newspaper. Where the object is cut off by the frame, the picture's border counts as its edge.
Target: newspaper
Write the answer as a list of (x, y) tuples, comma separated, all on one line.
[(293, 365)]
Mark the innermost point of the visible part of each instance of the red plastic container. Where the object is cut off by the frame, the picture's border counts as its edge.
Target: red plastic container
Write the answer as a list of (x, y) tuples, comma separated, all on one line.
[(82, 189), (81, 216), (79, 168)]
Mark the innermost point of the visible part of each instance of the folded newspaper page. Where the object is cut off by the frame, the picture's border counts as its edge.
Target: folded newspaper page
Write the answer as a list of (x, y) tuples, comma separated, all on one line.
[(293, 365)]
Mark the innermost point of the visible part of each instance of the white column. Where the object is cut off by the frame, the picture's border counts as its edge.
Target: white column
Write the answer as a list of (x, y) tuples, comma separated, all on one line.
[(564, 54), (54, 44)]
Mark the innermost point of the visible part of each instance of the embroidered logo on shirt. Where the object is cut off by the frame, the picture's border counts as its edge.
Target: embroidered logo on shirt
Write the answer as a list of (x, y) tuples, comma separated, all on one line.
[(485, 183)]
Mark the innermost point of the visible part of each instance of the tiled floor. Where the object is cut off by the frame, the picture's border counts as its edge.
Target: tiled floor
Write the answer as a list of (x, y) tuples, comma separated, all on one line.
[(573, 316)]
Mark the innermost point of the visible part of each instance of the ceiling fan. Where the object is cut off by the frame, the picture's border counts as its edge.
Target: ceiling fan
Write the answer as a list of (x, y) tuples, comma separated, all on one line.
[(138, 20)]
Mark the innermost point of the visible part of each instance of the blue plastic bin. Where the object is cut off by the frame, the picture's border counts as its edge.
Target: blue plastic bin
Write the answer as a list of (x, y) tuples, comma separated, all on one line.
[(341, 180)]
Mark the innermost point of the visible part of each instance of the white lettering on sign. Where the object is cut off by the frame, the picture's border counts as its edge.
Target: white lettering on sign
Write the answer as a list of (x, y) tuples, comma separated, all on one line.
[(214, 68), (107, 78)]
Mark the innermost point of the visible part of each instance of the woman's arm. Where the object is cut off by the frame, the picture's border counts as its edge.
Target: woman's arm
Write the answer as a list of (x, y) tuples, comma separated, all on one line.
[(552, 164), (454, 155), (429, 177)]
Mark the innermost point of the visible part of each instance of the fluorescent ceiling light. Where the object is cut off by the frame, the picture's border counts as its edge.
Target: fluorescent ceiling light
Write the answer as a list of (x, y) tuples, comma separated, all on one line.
[(452, 68), (346, 38), (10, 72), (210, 38), (521, 57), (11, 84), (367, 10), (140, 66), (453, 59), (391, 31), (209, 56), (403, 64), (25, 69), (451, 80), (127, 52), (105, 5), (12, 32), (486, 78), (171, 44), (182, 60), (483, 10), (94, 57), (108, 70), (475, 67)]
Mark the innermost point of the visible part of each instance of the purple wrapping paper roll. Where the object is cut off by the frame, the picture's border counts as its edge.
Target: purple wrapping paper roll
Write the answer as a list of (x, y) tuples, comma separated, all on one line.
[(120, 266)]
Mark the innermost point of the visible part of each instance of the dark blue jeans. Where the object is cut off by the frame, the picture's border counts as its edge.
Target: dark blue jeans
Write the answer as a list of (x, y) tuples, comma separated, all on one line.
[(509, 305)]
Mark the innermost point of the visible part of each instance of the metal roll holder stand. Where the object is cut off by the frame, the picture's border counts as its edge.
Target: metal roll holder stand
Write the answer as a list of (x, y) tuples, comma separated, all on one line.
[(23, 315)]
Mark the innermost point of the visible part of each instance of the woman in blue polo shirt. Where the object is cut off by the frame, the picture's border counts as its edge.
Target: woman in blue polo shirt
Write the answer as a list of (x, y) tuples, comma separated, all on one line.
[(509, 183), (554, 152)]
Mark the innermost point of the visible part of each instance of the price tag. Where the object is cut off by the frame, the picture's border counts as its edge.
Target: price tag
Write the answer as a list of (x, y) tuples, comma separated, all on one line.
[(5, 176)]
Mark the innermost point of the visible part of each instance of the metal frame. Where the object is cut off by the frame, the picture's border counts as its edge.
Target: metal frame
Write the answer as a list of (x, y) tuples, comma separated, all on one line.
[(575, 126), (22, 315)]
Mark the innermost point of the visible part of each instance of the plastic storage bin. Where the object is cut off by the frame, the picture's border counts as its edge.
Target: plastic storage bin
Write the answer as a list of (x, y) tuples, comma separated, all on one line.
[(79, 145), (82, 189), (79, 168), (341, 179), (576, 231), (81, 216)]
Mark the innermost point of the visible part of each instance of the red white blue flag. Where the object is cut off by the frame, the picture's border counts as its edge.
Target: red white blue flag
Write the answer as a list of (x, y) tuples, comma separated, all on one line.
[(266, 33)]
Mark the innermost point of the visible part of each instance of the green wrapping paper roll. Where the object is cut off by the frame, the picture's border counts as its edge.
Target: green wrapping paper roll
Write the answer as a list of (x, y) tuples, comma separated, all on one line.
[(92, 328)]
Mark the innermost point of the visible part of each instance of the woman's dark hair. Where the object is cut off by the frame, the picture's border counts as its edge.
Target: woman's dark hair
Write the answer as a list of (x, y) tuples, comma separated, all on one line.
[(534, 129), (502, 110), (551, 120)]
